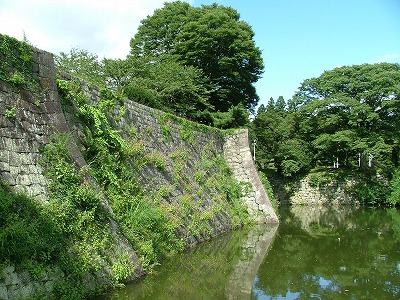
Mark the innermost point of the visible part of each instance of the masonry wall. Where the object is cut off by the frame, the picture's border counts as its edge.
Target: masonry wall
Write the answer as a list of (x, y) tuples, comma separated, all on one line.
[(28, 119), (237, 154), (302, 192), (199, 145)]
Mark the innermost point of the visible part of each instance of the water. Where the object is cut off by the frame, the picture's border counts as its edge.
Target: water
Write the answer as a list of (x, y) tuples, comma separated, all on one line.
[(315, 253)]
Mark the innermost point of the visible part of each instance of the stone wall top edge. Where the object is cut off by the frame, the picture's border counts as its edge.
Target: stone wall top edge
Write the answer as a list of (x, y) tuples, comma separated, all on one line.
[(66, 76)]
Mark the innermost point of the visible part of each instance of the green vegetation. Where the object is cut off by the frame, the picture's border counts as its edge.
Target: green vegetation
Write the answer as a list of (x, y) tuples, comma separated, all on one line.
[(75, 207), (16, 65), (11, 113), (210, 38), (198, 63), (345, 118), (270, 192), (146, 220), (113, 164), (28, 238), (69, 231)]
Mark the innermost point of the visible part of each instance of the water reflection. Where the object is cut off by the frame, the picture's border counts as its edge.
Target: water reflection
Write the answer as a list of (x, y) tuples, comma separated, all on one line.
[(333, 253), (316, 253), (254, 249), (223, 268)]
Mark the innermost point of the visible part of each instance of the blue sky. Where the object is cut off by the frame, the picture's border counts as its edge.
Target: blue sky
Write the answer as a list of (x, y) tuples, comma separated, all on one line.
[(299, 39)]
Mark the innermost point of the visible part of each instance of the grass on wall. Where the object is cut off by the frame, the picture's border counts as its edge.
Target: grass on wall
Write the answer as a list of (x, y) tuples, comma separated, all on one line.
[(16, 65), (146, 222), (70, 231), (114, 165)]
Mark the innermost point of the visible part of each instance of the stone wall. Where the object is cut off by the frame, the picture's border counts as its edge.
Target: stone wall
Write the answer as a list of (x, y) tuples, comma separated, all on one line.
[(237, 154), (334, 193), (28, 119), (35, 117), (302, 192), (164, 134)]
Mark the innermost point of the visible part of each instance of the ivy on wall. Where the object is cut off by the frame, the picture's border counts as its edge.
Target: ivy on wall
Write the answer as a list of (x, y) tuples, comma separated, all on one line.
[(115, 161), (16, 65)]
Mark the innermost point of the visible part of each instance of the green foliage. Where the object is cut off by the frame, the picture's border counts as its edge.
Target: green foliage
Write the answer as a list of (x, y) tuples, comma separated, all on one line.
[(165, 124), (371, 191), (394, 197), (113, 162), (122, 269), (16, 65), (75, 206), (69, 231), (293, 157), (27, 236), (235, 117), (350, 111), (187, 132), (157, 158), (82, 64), (11, 113), (212, 39), (321, 178), (275, 131), (346, 115)]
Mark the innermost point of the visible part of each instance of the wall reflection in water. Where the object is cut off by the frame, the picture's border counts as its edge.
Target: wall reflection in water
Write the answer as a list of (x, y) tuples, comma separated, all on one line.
[(254, 248), (223, 268)]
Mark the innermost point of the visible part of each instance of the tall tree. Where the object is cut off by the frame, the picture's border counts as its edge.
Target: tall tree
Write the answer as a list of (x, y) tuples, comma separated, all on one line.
[(161, 83), (278, 140), (351, 110), (280, 104), (212, 39), (82, 64)]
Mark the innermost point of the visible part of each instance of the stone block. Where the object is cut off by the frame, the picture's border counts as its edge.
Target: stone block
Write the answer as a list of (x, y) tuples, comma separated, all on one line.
[(4, 166), (8, 177), (11, 279), (21, 159), (23, 179), (3, 292)]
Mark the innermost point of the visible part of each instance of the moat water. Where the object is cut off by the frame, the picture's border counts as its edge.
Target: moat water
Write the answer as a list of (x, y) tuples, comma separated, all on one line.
[(314, 253)]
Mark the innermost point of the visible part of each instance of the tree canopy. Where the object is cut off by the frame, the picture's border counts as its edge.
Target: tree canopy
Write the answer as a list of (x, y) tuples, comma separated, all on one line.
[(349, 115), (353, 110), (212, 39)]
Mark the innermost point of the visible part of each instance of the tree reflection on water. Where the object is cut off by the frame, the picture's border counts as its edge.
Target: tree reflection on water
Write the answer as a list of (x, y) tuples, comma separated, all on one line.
[(333, 253), (315, 253)]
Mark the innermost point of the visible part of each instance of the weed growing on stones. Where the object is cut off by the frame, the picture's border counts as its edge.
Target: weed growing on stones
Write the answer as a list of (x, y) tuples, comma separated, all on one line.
[(113, 162)]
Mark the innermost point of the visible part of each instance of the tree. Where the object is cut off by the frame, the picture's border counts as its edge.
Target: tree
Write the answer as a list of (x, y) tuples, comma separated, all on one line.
[(280, 104), (82, 64), (293, 157), (161, 83), (278, 140), (212, 39), (394, 197), (235, 117), (352, 110)]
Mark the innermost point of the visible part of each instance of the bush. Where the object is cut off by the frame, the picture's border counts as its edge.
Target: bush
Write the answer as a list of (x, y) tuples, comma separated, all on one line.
[(28, 237), (394, 196)]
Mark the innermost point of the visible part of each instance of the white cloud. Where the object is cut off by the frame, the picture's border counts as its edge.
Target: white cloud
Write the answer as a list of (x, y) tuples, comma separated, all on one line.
[(102, 27), (392, 57)]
